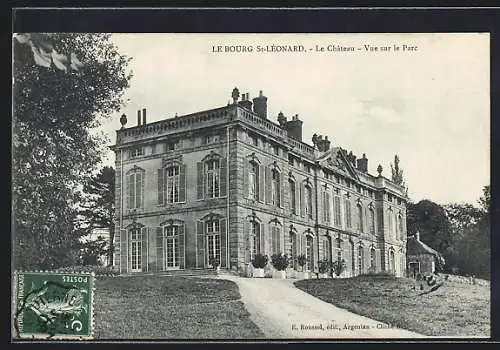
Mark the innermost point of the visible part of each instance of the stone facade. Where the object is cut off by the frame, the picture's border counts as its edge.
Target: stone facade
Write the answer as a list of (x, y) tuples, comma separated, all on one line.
[(228, 183)]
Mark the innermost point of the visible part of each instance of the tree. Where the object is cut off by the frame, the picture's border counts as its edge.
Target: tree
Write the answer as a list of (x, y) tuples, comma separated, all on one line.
[(54, 151), (98, 209)]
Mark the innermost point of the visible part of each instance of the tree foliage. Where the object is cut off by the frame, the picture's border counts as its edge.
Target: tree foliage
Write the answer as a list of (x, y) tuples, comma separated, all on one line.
[(97, 210), (54, 151)]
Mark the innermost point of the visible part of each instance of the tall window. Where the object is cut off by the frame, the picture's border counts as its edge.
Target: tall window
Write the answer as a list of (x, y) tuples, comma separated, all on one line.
[(293, 247), (371, 220), (373, 258), (213, 239), (353, 258), (347, 213), (253, 181), (326, 206), (135, 193), (400, 227), (389, 222), (172, 184), (309, 253), (339, 250), (308, 201), (255, 233), (276, 238), (337, 217), (327, 249), (275, 187), (293, 205), (360, 217), (172, 246), (392, 265), (136, 249), (361, 260), (213, 178)]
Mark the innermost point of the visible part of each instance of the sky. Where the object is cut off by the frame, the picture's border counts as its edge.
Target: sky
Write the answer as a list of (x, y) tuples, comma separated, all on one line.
[(426, 99)]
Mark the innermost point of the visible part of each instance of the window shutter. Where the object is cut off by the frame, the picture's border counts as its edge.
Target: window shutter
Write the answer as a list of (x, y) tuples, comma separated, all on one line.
[(181, 232), (159, 248), (130, 191), (160, 186), (200, 244), (199, 180), (123, 251), (247, 241), (321, 206), (302, 194), (313, 202), (268, 186), (182, 183), (144, 248), (140, 185), (297, 198), (223, 177), (262, 184), (281, 187), (246, 174), (223, 240)]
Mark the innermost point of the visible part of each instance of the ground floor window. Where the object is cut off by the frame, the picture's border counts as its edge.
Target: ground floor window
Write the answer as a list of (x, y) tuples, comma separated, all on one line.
[(293, 248), (309, 253), (136, 249), (361, 260), (391, 262), (171, 249)]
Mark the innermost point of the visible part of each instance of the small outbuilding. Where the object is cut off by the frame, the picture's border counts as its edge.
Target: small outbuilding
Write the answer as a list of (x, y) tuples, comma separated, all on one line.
[(420, 257)]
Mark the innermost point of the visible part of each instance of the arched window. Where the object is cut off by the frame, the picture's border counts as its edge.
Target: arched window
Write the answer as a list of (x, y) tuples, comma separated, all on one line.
[(361, 260), (172, 184), (308, 201), (373, 259), (327, 249), (171, 249), (135, 188), (347, 212), (136, 238), (326, 206), (275, 229), (255, 238), (371, 219), (392, 262), (212, 229), (292, 236), (275, 188), (360, 218), (353, 258), (400, 227), (253, 181), (291, 188), (339, 250), (390, 222), (212, 170)]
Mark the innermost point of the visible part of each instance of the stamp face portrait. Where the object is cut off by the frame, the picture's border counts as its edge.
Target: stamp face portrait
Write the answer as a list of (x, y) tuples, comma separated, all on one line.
[(58, 305)]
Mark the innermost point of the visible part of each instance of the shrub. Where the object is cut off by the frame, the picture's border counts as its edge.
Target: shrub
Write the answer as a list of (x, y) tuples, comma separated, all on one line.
[(324, 265), (279, 261), (260, 261), (301, 260), (338, 267), (98, 270), (214, 262)]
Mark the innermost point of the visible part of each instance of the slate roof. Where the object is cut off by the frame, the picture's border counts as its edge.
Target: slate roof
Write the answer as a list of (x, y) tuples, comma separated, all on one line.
[(416, 246)]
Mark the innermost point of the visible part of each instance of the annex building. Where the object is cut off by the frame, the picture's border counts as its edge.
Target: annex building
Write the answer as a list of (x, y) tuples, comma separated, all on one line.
[(230, 183)]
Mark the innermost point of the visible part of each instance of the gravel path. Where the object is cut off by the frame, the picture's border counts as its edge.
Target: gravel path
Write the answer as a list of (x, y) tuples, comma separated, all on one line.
[(283, 311)]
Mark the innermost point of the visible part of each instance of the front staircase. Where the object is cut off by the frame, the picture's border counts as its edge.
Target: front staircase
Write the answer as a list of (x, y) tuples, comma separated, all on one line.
[(183, 273)]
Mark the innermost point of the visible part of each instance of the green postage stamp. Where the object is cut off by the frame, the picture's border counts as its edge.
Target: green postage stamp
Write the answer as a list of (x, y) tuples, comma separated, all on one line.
[(53, 305)]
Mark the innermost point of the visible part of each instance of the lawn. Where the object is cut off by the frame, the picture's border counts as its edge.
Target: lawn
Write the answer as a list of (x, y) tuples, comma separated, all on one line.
[(453, 310), (156, 307)]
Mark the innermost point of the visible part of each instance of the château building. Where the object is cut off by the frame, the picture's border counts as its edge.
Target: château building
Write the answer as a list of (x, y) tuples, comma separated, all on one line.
[(230, 183)]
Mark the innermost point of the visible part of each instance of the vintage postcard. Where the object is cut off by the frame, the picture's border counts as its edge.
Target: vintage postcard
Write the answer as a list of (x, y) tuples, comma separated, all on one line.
[(251, 186)]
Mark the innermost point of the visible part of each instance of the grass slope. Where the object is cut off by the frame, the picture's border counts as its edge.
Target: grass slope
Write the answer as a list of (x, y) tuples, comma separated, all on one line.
[(455, 309), (156, 307)]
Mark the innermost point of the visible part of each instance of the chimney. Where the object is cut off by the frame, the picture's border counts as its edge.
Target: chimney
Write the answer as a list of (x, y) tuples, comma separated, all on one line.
[(138, 117), (260, 105), (362, 164), (294, 128), (144, 116), (245, 102), (323, 144)]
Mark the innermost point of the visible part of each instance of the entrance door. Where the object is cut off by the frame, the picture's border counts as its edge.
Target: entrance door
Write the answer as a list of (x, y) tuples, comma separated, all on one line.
[(136, 250), (213, 248), (171, 248), (414, 269)]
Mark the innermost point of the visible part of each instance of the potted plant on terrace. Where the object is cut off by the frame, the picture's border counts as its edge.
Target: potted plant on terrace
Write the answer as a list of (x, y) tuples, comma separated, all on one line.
[(280, 262), (259, 261), (302, 261), (338, 267), (323, 268), (215, 263)]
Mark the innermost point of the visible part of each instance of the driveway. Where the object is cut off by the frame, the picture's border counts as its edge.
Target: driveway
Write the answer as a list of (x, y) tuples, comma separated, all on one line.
[(283, 311)]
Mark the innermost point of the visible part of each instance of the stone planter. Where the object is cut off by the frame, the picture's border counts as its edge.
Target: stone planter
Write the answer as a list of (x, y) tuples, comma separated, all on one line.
[(259, 273), (290, 273), (323, 275), (302, 275), (279, 274)]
